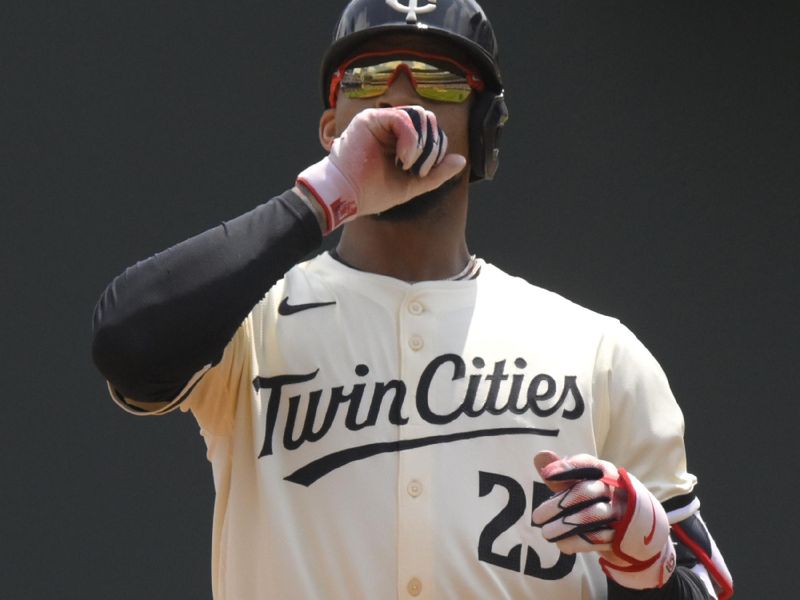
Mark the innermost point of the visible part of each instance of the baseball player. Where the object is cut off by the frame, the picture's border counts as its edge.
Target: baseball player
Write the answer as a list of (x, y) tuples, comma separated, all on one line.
[(397, 418)]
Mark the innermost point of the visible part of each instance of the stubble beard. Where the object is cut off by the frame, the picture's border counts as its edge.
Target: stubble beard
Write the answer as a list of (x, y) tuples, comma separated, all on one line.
[(420, 206)]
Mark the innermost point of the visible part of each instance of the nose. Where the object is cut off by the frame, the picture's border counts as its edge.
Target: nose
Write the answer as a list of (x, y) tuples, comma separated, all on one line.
[(400, 93)]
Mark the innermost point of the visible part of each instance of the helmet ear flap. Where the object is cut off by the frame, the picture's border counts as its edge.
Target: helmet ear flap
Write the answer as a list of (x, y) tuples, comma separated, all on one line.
[(487, 118)]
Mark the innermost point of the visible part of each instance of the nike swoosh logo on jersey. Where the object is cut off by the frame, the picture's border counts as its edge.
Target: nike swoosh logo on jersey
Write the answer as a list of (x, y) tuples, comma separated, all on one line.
[(287, 309)]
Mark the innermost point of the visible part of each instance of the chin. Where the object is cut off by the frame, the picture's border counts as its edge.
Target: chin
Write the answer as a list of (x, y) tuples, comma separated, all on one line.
[(420, 206)]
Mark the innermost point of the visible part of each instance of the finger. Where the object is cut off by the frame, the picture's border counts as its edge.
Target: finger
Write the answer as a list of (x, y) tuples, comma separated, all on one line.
[(587, 519), (579, 497), (403, 125), (434, 141), (580, 466), (418, 119), (577, 474), (423, 128), (593, 541), (542, 462), (559, 531), (544, 458), (442, 146), (429, 152)]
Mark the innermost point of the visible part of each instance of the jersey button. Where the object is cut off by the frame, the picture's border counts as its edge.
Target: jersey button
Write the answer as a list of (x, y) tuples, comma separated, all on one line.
[(415, 343), (414, 488), (416, 308), (414, 586)]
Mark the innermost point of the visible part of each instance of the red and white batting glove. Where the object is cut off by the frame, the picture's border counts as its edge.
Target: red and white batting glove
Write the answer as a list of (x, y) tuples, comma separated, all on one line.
[(384, 157), (597, 507)]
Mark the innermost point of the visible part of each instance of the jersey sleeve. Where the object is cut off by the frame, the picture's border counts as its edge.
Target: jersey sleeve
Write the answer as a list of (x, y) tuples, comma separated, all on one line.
[(225, 386), (640, 425), (214, 392), (162, 324)]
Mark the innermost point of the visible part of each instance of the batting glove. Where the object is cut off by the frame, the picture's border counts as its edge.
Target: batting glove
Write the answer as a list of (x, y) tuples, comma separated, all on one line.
[(597, 507), (384, 157)]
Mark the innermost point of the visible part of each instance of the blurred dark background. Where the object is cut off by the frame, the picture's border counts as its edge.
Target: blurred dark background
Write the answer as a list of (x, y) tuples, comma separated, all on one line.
[(650, 171)]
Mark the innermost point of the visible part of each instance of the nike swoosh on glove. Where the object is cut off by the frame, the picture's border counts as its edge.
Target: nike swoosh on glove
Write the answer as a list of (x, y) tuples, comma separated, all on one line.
[(597, 507), (385, 156)]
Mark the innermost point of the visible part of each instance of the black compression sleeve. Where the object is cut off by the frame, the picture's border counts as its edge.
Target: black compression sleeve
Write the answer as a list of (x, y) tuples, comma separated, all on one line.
[(165, 318), (683, 585)]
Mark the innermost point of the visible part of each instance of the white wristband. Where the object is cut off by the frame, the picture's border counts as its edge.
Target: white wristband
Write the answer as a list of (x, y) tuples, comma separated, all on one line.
[(642, 553), (337, 196)]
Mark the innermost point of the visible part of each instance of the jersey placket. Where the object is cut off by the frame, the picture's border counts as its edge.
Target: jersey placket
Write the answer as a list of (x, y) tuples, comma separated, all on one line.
[(414, 486)]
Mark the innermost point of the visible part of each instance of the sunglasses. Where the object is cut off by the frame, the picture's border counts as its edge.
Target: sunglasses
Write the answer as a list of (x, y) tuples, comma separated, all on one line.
[(434, 77)]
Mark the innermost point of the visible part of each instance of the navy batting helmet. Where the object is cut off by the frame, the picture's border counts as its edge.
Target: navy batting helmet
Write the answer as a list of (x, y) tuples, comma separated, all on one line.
[(460, 23)]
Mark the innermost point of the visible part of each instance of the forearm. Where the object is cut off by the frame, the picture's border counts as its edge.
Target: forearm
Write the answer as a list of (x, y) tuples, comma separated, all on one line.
[(166, 317), (683, 585)]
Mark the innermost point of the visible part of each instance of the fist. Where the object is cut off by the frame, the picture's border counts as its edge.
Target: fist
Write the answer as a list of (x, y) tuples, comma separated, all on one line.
[(384, 157), (601, 508)]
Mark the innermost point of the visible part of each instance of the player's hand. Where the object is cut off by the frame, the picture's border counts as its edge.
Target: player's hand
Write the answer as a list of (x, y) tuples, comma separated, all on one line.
[(385, 157), (599, 507)]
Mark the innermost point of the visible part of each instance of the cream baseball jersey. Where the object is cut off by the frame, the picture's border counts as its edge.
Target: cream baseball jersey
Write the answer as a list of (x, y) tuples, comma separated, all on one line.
[(372, 438)]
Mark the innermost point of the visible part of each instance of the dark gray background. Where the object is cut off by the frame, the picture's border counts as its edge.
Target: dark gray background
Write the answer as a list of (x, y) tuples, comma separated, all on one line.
[(650, 171)]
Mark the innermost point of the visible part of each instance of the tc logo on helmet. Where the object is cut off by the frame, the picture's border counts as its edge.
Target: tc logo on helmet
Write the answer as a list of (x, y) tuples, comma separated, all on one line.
[(412, 8)]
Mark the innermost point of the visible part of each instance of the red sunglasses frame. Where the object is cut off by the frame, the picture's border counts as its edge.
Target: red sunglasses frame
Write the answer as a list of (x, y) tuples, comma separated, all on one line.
[(474, 81)]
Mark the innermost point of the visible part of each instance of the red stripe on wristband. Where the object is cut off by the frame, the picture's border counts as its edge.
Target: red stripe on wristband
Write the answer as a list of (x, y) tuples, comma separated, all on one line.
[(325, 208), (334, 192)]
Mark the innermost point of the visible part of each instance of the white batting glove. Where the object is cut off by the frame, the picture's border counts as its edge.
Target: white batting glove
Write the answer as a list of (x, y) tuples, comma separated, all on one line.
[(597, 507), (384, 157)]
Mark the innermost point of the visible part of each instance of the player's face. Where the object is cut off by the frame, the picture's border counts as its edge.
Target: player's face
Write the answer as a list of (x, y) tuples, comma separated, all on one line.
[(452, 117)]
